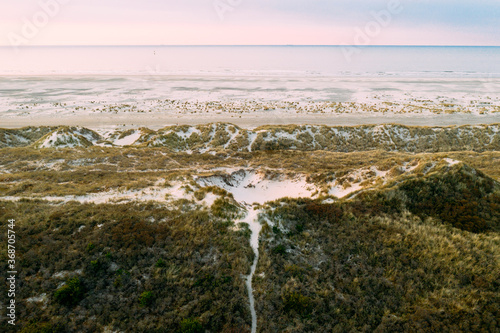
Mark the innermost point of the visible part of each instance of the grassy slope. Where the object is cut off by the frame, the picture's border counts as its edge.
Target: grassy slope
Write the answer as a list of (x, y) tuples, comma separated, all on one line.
[(370, 264), (198, 280), (80, 171)]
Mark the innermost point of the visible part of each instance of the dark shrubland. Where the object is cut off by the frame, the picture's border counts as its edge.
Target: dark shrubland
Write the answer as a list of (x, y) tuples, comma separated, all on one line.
[(182, 273), (369, 265), (463, 198)]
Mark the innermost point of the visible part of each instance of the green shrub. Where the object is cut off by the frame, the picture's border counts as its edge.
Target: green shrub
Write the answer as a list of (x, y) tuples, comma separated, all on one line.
[(279, 249), (224, 208), (118, 282), (161, 263), (191, 325), (297, 302), (146, 298), (95, 265), (90, 247), (71, 293)]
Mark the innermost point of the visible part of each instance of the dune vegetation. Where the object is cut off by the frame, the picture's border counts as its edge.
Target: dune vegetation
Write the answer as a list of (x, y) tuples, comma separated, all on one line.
[(156, 238)]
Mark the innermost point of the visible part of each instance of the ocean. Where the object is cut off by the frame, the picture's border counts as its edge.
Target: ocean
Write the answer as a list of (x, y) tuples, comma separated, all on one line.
[(337, 61)]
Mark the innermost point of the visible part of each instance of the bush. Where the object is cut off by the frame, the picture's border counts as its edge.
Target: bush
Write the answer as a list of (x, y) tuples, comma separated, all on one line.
[(90, 247), (161, 263), (191, 325), (146, 298), (42, 327), (279, 249), (95, 265), (71, 293), (297, 302)]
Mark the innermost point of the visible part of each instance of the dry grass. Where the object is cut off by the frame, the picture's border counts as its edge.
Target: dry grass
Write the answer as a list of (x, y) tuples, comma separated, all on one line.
[(29, 171)]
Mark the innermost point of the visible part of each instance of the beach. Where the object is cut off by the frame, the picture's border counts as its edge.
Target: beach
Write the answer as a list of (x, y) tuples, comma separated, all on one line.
[(247, 101), (246, 121)]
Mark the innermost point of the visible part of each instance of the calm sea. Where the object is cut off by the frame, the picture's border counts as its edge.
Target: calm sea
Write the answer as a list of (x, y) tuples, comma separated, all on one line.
[(373, 61)]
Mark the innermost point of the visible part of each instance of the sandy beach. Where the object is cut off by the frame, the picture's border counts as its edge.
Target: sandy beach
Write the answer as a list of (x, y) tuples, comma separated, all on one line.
[(247, 101), (157, 121)]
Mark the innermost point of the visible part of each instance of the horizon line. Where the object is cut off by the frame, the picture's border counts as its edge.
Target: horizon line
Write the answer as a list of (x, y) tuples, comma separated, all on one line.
[(241, 45)]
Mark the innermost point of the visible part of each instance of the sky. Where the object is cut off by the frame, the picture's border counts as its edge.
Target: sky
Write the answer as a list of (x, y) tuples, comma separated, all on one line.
[(250, 22)]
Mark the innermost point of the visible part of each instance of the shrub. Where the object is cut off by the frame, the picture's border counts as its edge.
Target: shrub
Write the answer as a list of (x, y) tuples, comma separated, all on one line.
[(297, 302), (161, 263), (95, 265), (71, 293), (331, 212), (199, 195), (279, 249), (90, 247), (42, 327), (146, 298), (191, 325), (223, 208)]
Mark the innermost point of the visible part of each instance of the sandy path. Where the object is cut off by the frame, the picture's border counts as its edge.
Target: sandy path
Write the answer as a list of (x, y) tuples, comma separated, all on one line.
[(252, 220)]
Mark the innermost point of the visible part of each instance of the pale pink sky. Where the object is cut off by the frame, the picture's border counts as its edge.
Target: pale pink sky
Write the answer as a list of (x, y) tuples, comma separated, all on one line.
[(245, 22)]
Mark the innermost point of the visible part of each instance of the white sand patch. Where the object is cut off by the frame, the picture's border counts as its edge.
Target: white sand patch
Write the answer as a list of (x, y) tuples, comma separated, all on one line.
[(368, 177), (378, 173), (65, 274), (38, 299), (451, 161), (253, 187), (42, 299), (209, 199), (233, 136), (340, 191), (188, 133), (129, 139), (251, 139), (53, 138)]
